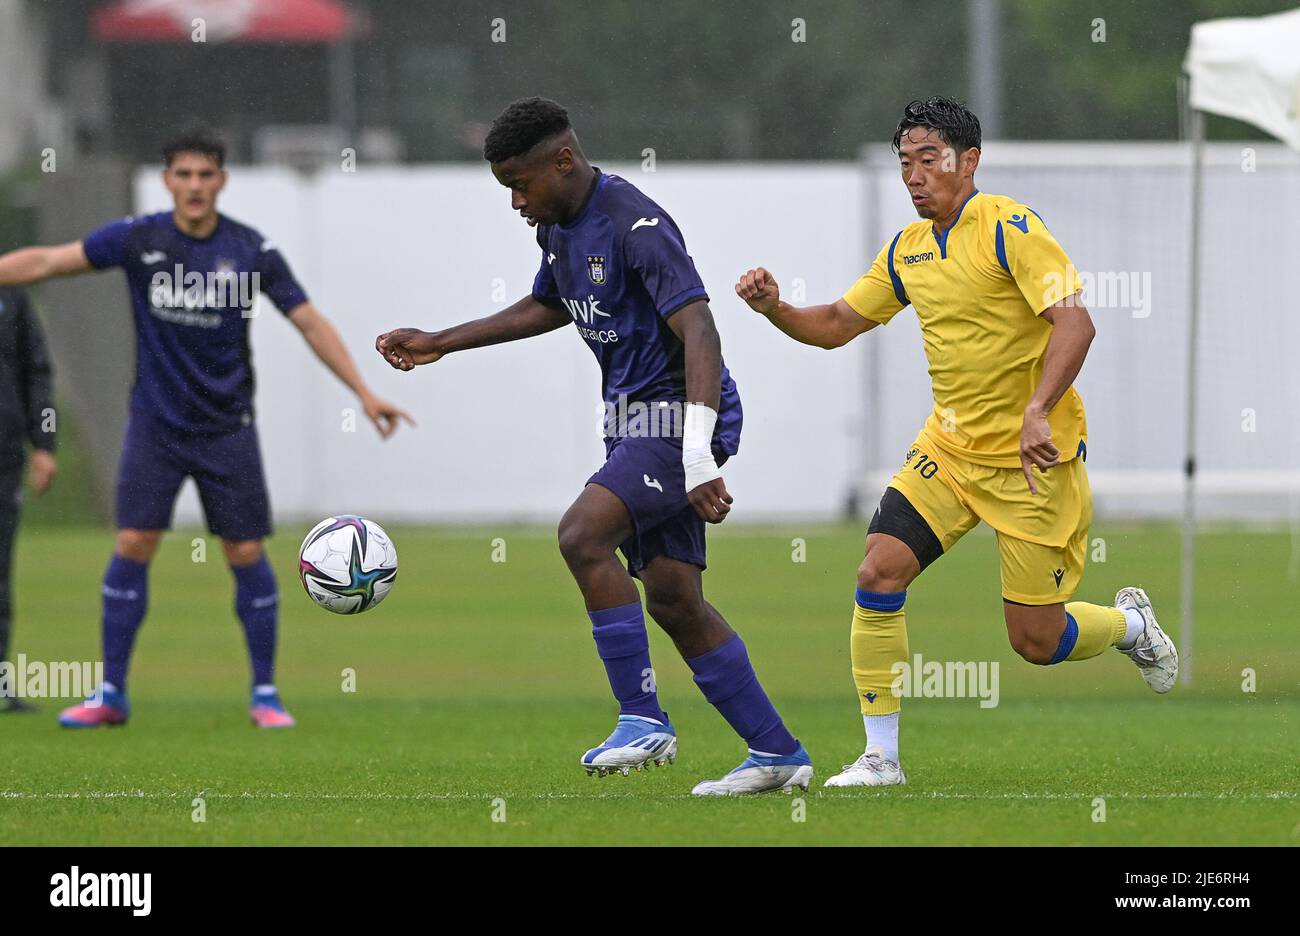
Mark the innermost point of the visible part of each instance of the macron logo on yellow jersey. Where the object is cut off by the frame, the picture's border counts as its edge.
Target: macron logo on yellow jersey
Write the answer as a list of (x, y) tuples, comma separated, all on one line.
[(1020, 221)]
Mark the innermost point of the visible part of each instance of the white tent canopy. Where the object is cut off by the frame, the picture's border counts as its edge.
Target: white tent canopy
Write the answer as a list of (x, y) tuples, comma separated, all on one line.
[(1249, 69)]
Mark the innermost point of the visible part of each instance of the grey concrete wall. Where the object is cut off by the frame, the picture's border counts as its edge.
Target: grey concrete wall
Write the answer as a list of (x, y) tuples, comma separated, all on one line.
[(88, 318), (28, 121)]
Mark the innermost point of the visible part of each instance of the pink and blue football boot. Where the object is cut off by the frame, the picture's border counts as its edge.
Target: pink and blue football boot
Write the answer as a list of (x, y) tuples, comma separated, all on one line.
[(104, 706), (267, 711)]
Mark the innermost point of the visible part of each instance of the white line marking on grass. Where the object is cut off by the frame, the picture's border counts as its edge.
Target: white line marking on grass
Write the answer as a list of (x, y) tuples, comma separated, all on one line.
[(310, 796)]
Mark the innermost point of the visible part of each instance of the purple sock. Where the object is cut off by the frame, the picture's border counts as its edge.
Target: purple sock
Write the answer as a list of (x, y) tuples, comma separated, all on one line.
[(727, 680), (126, 595), (256, 602), (625, 650)]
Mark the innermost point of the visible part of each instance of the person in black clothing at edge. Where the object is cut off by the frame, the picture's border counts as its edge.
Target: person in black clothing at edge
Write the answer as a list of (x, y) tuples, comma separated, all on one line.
[(26, 415)]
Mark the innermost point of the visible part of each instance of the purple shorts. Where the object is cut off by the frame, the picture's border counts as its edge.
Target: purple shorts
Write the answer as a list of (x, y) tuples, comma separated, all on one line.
[(646, 474), (226, 467)]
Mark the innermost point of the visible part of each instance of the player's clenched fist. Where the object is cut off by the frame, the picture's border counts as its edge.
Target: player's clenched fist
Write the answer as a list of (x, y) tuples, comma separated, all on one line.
[(404, 348), (711, 501), (758, 288)]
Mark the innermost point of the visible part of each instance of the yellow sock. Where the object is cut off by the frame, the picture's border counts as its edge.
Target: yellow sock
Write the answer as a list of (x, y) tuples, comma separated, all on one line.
[(1093, 629), (877, 641)]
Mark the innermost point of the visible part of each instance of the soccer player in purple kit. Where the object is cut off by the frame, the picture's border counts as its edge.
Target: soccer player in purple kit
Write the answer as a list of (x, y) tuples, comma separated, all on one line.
[(615, 265), (193, 275)]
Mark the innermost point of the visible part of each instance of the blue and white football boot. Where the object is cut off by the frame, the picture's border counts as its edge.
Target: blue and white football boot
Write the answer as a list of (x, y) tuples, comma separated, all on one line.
[(636, 742), (761, 773)]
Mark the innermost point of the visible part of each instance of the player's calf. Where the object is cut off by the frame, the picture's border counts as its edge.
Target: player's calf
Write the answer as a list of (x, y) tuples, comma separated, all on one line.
[(694, 626)]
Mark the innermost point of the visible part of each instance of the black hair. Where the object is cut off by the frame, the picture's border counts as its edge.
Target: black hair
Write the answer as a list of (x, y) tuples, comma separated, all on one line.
[(953, 120), (523, 125), (199, 141)]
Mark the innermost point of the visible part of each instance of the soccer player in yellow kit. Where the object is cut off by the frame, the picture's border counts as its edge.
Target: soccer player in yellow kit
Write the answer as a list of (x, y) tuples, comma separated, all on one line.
[(1005, 335)]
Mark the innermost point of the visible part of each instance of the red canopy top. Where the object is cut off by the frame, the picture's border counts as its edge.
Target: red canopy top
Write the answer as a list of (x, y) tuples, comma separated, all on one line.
[(224, 20)]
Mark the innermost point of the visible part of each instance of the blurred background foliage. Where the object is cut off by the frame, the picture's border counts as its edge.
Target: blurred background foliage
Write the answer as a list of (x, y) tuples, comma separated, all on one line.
[(717, 80)]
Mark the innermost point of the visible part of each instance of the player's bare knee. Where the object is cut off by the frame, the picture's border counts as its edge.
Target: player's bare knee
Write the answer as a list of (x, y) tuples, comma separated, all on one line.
[(137, 545), (579, 545), (242, 552), (1034, 632), (882, 574), (1033, 647), (1037, 654), (571, 540), (676, 613)]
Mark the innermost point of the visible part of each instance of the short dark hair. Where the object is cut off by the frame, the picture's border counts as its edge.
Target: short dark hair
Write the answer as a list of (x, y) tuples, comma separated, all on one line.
[(199, 141), (523, 125), (953, 120)]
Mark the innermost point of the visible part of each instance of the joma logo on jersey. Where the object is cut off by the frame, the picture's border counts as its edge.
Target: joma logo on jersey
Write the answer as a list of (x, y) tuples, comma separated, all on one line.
[(596, 269), (584, 310), (909, 259)]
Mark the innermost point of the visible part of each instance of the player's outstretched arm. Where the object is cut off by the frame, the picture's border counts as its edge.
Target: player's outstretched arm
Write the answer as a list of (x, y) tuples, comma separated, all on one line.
[(30, 265), (407, 348), (824, 326), (321, 335), (694, 325)]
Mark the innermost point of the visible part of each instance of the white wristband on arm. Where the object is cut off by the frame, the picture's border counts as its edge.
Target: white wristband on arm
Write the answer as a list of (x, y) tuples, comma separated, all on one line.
[(697, 445)]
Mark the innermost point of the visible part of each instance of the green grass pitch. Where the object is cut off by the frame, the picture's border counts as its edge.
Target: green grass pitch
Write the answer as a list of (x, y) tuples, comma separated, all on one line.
[(478, 687)]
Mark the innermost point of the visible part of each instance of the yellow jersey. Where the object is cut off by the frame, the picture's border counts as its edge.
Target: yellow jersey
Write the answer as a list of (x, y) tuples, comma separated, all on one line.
[(979, 290)]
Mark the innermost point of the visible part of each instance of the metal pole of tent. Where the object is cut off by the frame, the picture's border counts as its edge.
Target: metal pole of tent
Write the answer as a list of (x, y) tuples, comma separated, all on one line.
[(872, 432), (1196, 132), (864, 427), (984, 52), (343, 88)]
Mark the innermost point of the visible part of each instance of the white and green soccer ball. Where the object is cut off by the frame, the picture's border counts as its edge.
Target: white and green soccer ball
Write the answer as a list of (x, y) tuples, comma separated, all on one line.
[(347, 564)]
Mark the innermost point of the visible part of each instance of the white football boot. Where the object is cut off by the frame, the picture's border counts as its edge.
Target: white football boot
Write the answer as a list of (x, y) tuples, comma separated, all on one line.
[(1154, 653), (636, 742), (871, 769), (762, 773)]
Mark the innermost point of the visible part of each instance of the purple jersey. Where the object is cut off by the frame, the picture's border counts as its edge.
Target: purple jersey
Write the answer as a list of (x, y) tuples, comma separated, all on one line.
[(621, 269), (193, 301)]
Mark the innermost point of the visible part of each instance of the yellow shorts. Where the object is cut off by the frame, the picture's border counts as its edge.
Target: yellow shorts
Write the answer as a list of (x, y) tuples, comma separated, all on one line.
[(1042, 539)]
